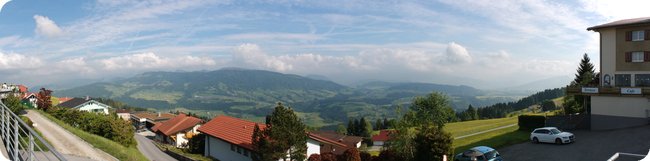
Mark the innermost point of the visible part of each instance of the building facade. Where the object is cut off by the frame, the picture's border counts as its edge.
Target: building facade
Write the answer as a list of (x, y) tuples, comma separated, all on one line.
[(229, 138), (622, 98)]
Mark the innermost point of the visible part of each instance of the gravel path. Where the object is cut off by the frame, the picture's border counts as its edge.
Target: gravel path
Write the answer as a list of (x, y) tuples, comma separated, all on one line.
[(64, 141)]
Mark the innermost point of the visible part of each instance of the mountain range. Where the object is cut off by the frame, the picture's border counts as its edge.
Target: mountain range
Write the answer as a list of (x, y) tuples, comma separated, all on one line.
[(252, 94)]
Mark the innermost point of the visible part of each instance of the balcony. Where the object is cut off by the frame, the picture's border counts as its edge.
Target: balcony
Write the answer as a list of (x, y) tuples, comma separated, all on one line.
[(609, 91)]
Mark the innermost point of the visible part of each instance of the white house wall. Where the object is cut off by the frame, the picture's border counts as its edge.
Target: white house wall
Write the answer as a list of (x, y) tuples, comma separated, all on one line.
[(219, 149), (313, 147), (92, 106), (610, 112), (608, 54)]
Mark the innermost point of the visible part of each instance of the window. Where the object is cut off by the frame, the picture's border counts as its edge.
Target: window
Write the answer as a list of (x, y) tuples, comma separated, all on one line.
[(623, 80), (642, 80), (541, 131), (638, 35), (232, 147), (239, 150), (637, 56), (245, 152)]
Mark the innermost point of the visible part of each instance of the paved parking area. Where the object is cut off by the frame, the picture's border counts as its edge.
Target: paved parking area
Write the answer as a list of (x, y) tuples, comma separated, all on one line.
[(589, 145)]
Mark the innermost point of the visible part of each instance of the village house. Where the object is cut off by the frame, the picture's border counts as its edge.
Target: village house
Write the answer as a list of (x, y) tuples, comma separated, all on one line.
[(229, 138), (86, 104), (621, 97), (178, 130), (145, 119), (124, 114), (30, 99), (381, 138), (349, 141)]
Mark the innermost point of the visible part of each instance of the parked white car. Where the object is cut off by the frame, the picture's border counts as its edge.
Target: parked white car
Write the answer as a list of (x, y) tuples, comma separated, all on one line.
[(551, 135)]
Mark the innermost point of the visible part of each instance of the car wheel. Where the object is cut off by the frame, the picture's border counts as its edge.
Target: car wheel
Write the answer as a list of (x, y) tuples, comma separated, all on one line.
[(535, 140), (558, 141)]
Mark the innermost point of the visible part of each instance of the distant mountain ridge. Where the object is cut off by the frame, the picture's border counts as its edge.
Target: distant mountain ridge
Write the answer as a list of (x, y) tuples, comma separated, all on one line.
[(252, 93)]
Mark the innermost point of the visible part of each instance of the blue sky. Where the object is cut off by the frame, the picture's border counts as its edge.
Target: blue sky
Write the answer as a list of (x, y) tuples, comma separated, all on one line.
[(486, 44)]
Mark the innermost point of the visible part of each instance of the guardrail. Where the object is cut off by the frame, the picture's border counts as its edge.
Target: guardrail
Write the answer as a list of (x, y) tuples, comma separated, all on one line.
[(21, 141)]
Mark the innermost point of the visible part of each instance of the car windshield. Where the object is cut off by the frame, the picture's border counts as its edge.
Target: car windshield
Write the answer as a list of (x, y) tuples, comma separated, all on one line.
[(490, 154), (555, 131)]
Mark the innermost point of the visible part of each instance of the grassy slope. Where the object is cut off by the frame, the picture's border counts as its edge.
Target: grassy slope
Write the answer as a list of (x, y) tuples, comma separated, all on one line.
[(468, 127), (115, 149)]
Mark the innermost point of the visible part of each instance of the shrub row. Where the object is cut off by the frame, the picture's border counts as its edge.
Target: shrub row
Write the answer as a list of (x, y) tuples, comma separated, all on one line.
[(107, 126), (528, 122)]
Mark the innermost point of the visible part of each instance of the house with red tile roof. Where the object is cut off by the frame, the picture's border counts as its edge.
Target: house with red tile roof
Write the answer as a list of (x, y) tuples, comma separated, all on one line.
[(229, 138), (146, 119), (349, 141), (178, 130), (64, 99), (381, 138)]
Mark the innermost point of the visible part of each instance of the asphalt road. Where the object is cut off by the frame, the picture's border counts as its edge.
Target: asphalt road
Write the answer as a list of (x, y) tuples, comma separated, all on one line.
[(64, 141), (146, 147), (589, 145)]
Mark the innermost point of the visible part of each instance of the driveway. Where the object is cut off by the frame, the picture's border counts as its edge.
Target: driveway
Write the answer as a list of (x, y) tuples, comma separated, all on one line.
[(64, 141), (589, 145), (150, 150)]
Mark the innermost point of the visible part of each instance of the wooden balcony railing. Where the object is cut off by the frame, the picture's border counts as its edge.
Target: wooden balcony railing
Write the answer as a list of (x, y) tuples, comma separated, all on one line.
[(614, 91)]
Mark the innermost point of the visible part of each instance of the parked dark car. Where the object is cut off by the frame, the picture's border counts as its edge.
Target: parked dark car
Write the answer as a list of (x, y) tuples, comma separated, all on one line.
[(479, 153)]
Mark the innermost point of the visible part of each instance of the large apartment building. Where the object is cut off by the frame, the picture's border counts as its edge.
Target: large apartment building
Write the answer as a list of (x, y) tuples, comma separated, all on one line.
[(622, 98)]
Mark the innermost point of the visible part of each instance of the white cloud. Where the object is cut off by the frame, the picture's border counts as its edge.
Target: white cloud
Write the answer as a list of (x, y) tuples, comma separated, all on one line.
[(275, 36), (457, 54), (46, 27), (403, 64), (617, 10), (149, 60), (18, 61), (2, 3)]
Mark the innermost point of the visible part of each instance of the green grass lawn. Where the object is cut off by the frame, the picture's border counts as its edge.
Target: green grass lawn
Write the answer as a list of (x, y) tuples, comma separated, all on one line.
[(495, 139), (468, 127), (115, 149)]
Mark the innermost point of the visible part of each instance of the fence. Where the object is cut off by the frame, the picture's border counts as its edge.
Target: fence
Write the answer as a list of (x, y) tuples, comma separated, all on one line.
[(21, 142)]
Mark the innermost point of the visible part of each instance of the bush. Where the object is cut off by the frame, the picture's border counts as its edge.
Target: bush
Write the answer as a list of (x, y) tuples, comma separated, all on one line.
[(105, 126), (351, 154), (314, 157), (197, 144), (531, 122), (365, 156), (329, 156), (387, 155)]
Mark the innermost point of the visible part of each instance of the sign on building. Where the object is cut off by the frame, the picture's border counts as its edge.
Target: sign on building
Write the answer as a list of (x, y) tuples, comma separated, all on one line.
[(589, 90), (630, 90)]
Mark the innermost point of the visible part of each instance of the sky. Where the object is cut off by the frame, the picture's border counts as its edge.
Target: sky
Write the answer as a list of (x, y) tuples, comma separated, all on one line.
[(485, 44)]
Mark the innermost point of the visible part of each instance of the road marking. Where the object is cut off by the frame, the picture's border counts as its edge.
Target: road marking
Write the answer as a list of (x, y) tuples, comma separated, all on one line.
[(486, 131)]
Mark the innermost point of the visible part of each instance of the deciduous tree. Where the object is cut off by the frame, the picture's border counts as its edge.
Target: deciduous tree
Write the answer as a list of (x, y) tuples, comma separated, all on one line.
[(44, 99)]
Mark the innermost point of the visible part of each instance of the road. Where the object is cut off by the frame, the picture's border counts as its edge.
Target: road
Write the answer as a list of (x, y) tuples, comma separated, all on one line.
[(150, 150), (486, 131), (589, 145), (64, 141)]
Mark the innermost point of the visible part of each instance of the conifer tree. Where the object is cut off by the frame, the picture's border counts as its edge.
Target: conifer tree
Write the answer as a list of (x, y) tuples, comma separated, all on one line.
[(283, 138), (585, 74)]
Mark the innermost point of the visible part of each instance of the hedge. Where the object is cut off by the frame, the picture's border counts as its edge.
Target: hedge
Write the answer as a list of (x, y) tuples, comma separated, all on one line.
[(531, 121)]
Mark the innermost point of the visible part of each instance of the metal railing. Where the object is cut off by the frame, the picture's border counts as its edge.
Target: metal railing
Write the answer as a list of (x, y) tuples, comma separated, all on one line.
[(628, 155), (22, 143)]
